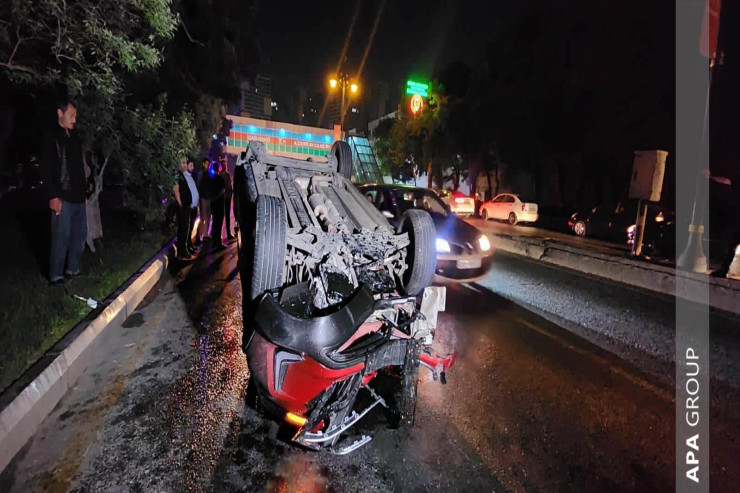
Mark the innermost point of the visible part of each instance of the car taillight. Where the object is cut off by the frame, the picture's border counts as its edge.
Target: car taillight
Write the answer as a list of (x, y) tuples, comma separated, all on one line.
[(523, 206)]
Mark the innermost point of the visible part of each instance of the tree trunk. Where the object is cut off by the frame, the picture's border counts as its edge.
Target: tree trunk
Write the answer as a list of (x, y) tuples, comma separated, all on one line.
[(489, 192), (429, 175)]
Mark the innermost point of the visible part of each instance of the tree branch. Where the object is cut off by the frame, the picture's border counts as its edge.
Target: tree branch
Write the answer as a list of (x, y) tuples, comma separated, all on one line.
[(15, 48), (187, 33), (21, 68)]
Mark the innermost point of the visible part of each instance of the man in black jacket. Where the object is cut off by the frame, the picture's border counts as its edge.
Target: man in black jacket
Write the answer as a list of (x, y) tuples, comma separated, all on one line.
[(204, 190), (63, 173), (218, 190), (186, 195), (227, 195)]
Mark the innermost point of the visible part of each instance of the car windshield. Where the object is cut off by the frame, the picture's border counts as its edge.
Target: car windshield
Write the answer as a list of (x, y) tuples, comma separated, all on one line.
[(419, 199), (525, 199)]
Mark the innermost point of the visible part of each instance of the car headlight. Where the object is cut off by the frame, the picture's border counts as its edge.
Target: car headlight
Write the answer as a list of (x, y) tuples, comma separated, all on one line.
[(443, 246), (631, 229), (484, 244)]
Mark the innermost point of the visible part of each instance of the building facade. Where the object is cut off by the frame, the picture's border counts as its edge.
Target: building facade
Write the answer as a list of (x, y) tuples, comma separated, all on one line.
[(256, 98)]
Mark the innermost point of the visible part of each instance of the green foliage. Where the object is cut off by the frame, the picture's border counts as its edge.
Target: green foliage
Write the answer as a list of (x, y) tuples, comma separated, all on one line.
[(419, 143), (207, 118), (151, 146), (85, 45)]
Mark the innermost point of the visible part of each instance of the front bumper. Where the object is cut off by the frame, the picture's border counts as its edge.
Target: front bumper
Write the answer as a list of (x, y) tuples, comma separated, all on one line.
[(451, 267)]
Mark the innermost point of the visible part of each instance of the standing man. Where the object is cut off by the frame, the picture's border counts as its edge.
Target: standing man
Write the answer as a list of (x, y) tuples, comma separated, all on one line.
[(63, 173), (218, 192), (228, 194), (186, 195), (204, 190)]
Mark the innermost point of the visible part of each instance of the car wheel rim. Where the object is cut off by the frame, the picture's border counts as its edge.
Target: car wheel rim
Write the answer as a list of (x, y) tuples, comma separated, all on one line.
[(580, 228)]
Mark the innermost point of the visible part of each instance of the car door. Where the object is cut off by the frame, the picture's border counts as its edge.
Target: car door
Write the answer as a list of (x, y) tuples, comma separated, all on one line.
[(507, 206), (496, 205)]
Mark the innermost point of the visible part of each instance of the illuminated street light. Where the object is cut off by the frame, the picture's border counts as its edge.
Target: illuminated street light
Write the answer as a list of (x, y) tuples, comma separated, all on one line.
[(344, 81)]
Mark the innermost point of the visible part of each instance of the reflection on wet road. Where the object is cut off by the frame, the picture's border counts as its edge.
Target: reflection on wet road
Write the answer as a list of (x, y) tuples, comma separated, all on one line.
[(528, 407)]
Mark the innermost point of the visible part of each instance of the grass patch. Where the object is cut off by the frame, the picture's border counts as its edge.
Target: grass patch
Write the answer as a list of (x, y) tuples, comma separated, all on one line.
[(35, 315)]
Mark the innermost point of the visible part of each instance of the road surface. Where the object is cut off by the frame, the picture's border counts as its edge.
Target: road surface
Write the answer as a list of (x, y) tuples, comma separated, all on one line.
[(528, 407)]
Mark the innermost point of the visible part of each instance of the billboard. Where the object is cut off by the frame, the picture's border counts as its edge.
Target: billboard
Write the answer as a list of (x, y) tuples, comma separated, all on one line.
[(282, 139)]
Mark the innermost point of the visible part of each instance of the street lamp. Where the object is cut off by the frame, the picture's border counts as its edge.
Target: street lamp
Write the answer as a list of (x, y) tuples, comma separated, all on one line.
[(343, 81)]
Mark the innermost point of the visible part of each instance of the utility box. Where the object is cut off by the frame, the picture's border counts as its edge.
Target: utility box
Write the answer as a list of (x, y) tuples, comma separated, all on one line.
[(648, 169)]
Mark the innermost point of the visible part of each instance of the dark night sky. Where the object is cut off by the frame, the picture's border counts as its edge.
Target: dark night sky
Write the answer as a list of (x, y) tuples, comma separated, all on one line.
[(302, 43)]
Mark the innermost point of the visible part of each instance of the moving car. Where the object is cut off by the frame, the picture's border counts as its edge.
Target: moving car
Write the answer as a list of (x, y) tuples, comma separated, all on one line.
[(509, 207), (333, 296), (463, 252), (458, 202)]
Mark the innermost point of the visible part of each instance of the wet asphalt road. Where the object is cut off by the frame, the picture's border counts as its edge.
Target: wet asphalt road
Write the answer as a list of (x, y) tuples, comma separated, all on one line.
[(528, 407)]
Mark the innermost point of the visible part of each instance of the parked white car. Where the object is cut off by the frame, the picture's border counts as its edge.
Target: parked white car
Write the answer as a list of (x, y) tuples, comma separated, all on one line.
[(509, 207)]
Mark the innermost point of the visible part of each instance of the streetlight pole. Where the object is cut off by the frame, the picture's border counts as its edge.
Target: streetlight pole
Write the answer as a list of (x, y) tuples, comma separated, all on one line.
[(344, 92), (344, 81)]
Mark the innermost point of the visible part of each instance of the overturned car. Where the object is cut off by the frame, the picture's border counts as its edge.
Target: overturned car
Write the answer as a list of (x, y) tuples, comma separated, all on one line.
[(333, 296)]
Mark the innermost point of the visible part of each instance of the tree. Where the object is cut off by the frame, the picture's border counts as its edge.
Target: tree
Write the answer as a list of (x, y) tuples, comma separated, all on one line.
[(83, 45), (152, 143), (419, 142), (83, 50)]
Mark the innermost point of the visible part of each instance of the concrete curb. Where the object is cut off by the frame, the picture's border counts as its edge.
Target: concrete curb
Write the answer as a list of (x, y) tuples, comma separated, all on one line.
[(724, 294), (29, 400)]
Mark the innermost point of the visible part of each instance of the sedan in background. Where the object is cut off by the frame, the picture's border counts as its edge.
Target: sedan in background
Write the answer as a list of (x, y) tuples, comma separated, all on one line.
[(617, 223), (463, 252), (458, 202), (509, 207)]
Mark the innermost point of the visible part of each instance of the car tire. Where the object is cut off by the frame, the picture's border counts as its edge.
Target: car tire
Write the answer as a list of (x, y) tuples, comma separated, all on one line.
[(270, 226), (484, 214), (421, 257), (512, 218), (343, 153), (579, 228)]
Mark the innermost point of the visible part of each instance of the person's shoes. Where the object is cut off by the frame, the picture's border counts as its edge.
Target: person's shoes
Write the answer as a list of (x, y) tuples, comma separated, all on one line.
[(72, 274), (57, 281)]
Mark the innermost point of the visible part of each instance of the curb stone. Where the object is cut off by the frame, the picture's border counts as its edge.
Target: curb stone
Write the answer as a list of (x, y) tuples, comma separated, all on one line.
[(25, 404)]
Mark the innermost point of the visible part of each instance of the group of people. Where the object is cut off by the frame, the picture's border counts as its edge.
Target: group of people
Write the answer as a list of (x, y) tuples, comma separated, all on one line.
[(210, 195)]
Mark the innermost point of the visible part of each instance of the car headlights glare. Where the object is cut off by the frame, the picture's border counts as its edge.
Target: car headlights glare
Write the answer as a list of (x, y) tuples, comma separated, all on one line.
[(484, 244), (443, 246), (631, 229)]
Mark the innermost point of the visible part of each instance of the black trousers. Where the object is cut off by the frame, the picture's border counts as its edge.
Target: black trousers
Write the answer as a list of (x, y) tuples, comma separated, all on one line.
[(185, 222), (227, 213), (217, 213)]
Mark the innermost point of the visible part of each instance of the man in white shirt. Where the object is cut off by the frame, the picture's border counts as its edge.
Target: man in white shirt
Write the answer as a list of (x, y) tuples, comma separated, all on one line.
[(186, 195)]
